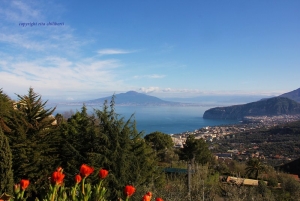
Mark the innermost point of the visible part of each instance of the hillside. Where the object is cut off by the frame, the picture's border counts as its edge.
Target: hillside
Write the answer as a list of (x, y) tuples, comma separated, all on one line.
[(267, 107), (133, 98), (278, 144), (293, 95), (291, 167)]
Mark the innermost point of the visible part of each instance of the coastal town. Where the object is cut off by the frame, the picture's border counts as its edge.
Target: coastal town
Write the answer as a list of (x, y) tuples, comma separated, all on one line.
[(210, 133), (213, 134)]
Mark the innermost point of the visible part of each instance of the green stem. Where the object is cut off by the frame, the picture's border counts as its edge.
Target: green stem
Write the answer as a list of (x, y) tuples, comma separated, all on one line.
[(22, 194), (82, 186), (54, 193)]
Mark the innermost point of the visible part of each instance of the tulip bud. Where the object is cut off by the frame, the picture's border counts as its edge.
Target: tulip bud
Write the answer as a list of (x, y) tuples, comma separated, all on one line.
[(16, 188)]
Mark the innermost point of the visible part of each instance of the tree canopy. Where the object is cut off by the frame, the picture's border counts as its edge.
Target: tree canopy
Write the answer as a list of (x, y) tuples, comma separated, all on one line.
[(6, 174), (254, 167), (106, 140), (5, 110), (31, 140), (195, 150), (160, 142)]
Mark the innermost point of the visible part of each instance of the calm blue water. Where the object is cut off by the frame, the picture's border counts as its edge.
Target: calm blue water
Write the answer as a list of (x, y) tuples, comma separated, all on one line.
[(166, 119)]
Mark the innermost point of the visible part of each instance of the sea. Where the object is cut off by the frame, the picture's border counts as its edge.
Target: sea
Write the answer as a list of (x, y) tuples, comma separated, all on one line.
[(166, 119)]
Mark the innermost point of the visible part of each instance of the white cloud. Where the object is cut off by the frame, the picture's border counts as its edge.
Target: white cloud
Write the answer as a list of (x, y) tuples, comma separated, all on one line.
[(180, 92), (113, 51), (55, 75), (47, 40), (20, 11), (156, 76), (25, 9), (153, 76), (149, 89)]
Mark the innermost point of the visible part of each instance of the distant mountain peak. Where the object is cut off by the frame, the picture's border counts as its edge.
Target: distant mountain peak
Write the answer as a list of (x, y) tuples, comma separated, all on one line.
[(294, 95), (133, 98), (132, 93)]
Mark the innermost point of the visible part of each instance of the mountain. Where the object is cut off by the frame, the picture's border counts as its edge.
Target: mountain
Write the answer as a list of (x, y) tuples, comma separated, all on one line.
[(133, 98), (293, 95), (267, 107)]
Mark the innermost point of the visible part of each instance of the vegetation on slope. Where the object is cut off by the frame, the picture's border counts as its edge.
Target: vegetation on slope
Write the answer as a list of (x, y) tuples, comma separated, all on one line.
[(267, 107)]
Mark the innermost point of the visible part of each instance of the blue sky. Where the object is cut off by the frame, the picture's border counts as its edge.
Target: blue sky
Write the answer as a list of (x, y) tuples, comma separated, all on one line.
[(166, 48)]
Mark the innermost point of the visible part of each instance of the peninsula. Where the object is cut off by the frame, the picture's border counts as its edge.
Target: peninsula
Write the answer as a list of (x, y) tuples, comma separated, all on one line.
[(267, 107)]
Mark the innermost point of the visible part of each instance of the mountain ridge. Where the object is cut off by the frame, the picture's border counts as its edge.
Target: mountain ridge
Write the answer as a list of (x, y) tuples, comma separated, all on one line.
[(293, 95), (133, 98), (283, 104), (269, 107)]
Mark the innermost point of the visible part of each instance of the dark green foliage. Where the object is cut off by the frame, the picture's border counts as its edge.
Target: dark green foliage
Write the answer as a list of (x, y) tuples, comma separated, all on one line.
[(281, 140), (254, 167), (124, 152), (161, 143), (32, 112), (79, 142), (6, 174), (106, 140), (263, 189), (291, 167), (32, 140), (195, 150), (273, 182), (290, 187), (5, 110)]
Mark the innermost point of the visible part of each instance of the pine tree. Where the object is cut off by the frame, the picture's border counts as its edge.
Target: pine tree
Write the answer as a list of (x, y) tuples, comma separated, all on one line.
[(195, 150), (32, 140), (124, 152), (78, 141), (6, 174), (162, 144), (5, 108), (104, 140)]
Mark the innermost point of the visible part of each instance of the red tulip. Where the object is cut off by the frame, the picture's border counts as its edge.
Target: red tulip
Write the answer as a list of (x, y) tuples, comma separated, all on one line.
[(159, 199), (146, 197), (57, 178), (59, 169), (24, 184), (129, 190), (86, 170), (77, 179), (103, 173), (149, 194)]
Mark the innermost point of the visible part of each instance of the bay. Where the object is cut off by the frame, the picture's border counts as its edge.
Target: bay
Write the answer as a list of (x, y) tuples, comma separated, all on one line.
[(166, 119)]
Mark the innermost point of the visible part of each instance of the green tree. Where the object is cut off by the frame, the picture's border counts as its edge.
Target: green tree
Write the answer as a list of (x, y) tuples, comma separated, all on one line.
[(5, 109), (290, 187), (124, 152), (106, 140), (161, 143), (6, 174), (254, 166), (195, 150), (80, 142), (32, 140), (263, 189)]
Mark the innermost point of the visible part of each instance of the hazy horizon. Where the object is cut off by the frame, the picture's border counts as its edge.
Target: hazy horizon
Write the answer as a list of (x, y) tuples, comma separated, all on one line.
[(74, 50)]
